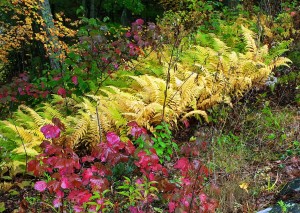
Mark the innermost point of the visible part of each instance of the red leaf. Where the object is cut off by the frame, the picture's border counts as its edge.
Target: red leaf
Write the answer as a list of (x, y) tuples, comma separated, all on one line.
[(100, 184), (79, 196), (86, 175), (87, 159), (57, 202), (186, 123), (183, 165), (50, 131), (114, 140), (40, 186), (129, 148), (172, 206), (65, 183), (128, 34), (57, 122), (62, 92), (75, 80), (136, 130), (139, 21)]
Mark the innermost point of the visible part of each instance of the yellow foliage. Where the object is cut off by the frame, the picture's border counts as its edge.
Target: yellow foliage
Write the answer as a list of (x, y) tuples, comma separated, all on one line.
[(14, 36), (211, 76)]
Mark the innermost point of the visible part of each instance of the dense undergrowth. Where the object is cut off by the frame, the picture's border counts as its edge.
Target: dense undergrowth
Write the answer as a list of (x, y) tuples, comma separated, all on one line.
[(177, 116)]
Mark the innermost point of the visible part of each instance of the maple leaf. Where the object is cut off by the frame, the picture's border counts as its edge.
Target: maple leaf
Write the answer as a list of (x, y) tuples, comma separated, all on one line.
[(40, 186), (50, 131)]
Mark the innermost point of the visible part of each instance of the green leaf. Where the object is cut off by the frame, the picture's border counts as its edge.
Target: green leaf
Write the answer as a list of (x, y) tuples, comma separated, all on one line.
[(2, 207), (13, 192), (162, 144), (159, 127), (124, 193), (159, 152)]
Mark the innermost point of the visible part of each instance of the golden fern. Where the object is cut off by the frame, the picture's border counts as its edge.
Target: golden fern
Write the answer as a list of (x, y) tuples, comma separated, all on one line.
[(202, 78)]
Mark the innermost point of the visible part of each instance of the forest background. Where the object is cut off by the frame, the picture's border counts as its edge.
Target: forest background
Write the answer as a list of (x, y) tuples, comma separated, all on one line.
[(148, 106)]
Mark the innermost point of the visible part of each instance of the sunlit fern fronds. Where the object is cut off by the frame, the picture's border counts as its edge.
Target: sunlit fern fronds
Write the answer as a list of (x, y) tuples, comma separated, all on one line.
[(279, 61), (31, 139), (80, 129), (38, 119), (250, 42)]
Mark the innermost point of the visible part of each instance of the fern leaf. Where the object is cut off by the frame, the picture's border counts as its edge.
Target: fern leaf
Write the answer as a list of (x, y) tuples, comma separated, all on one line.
[(196, 112)]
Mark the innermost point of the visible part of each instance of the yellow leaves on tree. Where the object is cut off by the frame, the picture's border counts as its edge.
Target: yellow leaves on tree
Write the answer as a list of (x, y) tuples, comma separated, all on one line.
[(27, 25)]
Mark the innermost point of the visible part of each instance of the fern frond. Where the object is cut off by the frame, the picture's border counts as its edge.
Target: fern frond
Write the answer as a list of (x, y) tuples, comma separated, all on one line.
[(196, 112), (40, 121), (80, 129), (250, 42)]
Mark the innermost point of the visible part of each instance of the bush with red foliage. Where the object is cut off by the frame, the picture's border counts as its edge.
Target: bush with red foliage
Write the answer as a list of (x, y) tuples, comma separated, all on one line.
[(75, 181)]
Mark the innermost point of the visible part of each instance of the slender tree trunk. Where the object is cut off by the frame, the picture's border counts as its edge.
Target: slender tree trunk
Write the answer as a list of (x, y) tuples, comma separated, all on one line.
[(83, 3), (92, 9), (53, 48)]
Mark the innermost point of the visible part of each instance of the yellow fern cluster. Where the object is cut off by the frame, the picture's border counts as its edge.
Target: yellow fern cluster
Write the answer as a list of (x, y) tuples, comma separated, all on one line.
[(200, 78)]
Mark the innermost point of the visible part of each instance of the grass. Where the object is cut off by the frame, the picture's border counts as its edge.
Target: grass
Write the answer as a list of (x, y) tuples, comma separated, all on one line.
[(249, 150)]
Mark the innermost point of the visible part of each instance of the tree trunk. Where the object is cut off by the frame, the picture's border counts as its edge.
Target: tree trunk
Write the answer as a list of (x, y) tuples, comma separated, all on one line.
[(92, 9), (53, 48), (83, 3)]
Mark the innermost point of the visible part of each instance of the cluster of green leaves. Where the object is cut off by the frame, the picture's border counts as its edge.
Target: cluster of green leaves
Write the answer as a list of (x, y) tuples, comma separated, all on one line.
[(162, 142)]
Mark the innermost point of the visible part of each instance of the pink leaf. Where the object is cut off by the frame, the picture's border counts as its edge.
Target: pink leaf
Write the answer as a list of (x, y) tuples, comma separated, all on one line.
[(86, 175), (129, 148), (87, 159), (78, 208), (75, 80), (183, 165), (65, 183), (50, 131), (136, 130), (186, 123), (40, 186), (113, 139), (57, 202), (139, 21), (128, 34), (172, 206), (62, 92)]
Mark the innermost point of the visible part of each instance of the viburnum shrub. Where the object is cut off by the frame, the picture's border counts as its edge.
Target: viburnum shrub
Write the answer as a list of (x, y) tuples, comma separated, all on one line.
[(87, 184), (20, 89), (101, 50)]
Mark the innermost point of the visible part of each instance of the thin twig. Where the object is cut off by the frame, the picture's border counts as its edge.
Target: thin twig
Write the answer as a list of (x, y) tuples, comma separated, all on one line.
[(168, 77), (99, 123)]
